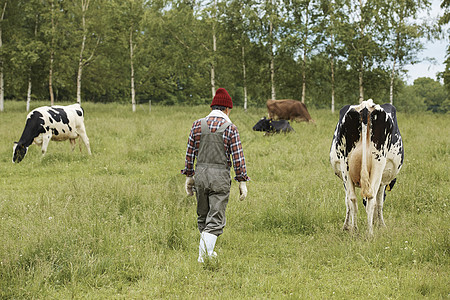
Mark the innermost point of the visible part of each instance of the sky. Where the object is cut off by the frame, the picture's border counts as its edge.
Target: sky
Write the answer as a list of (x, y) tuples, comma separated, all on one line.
[(434, 49)]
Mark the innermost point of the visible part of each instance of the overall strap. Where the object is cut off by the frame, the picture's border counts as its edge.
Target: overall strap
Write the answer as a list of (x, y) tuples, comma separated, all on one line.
[(223, 127), (205, 128)]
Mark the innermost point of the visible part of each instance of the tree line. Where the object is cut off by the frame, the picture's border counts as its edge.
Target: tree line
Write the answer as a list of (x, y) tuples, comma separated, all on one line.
[(325, 53)]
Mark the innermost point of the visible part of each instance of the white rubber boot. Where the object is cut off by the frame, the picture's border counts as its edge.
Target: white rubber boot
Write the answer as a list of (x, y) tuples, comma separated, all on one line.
[(206, 246)]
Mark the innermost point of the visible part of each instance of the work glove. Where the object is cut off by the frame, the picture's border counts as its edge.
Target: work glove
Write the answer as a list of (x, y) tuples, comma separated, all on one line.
[(242, 190), (189, 185)]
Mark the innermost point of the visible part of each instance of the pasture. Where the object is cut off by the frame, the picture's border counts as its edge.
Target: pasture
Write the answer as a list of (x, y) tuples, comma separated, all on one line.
[(118, 224)]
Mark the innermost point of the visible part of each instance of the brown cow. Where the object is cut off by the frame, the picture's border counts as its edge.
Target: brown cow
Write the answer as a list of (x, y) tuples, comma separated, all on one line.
[(287, 109)]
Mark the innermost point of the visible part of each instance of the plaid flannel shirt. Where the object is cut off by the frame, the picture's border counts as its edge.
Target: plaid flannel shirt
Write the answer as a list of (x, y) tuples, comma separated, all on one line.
[(231, 141)]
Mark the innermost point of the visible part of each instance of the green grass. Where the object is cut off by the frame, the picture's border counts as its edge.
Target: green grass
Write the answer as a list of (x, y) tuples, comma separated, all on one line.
[(118, 225)]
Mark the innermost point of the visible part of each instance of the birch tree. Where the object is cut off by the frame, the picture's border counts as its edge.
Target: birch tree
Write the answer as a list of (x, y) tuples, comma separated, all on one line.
[(404, 35), (133, 90), (331, 27), (2, 84), (361, 29), (129, 15), (33, 48), (52, 52), (31, 66), (239, 17), (209, 12), (269, 34), (84, 60), (272, 12), (305, 19), (214, 49), (363, 39), (332, 50)]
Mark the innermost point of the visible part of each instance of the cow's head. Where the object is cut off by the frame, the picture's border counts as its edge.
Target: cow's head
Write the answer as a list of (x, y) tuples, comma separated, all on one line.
[(263, 125), (19, 152)]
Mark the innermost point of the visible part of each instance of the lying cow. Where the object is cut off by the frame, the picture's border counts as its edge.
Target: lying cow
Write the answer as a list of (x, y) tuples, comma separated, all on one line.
[(57, 123), (292, 110), (270, 126), (366, 152)]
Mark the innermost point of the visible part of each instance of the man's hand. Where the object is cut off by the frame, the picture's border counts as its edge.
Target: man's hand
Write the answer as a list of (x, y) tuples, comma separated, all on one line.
[(242, 190), (189, 185)]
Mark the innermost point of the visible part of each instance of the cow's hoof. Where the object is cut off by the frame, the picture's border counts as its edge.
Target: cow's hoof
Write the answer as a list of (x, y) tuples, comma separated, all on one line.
[(346, 227), (381, 225)]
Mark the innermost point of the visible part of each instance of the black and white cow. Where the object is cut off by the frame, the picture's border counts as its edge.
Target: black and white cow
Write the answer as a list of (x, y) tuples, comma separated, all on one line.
[(366, 152), (57, 123), (271, 126)]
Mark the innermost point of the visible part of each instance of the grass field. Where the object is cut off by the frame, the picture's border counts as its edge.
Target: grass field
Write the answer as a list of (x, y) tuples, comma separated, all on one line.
[(118, 224)]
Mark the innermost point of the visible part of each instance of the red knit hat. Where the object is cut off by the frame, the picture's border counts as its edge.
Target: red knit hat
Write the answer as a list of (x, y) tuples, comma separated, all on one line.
[(222, 98)]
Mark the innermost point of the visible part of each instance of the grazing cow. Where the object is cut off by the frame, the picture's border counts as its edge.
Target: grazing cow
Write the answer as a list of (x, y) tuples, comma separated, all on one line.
[(270, 126), (57, 123), (366, 152), (292, 110)]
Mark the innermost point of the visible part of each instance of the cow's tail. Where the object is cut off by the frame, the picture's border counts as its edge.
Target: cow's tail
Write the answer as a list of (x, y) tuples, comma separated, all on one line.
[(366, 191)]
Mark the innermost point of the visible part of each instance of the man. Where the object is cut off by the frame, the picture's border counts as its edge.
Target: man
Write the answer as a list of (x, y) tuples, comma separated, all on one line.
[(212, 141)]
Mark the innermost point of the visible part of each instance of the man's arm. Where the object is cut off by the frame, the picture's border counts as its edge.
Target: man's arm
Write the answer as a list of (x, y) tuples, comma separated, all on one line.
[(190, 154), (237, 155)]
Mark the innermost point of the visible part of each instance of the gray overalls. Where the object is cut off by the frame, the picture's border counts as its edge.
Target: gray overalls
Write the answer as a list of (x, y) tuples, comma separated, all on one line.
[(212, 180)]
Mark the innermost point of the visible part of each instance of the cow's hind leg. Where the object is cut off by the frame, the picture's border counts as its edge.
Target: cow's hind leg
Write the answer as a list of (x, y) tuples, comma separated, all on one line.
[(351, 206), (347, 214), (84, 137), (378, 217), (73, 143), (370, 209)]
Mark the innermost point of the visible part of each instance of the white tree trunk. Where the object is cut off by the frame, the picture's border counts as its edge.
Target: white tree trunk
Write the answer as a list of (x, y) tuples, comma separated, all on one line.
[(80, 71), (50, 79), (2, 86), (332, 57), (52, 54), (213, 75), (332, 84), (245, 78), (304, 77), (31, 69), (133, 93), (391, 88), (29, 92), (361, 87), (84, 8), (361, 63), (272, 64), (2, 92), (213, 81), (305, 52)]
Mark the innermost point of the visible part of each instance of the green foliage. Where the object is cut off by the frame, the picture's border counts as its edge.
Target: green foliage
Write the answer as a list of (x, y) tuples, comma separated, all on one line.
[(408, 101), (173, 49), (432, 93), (424, 94), (118, 224)]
